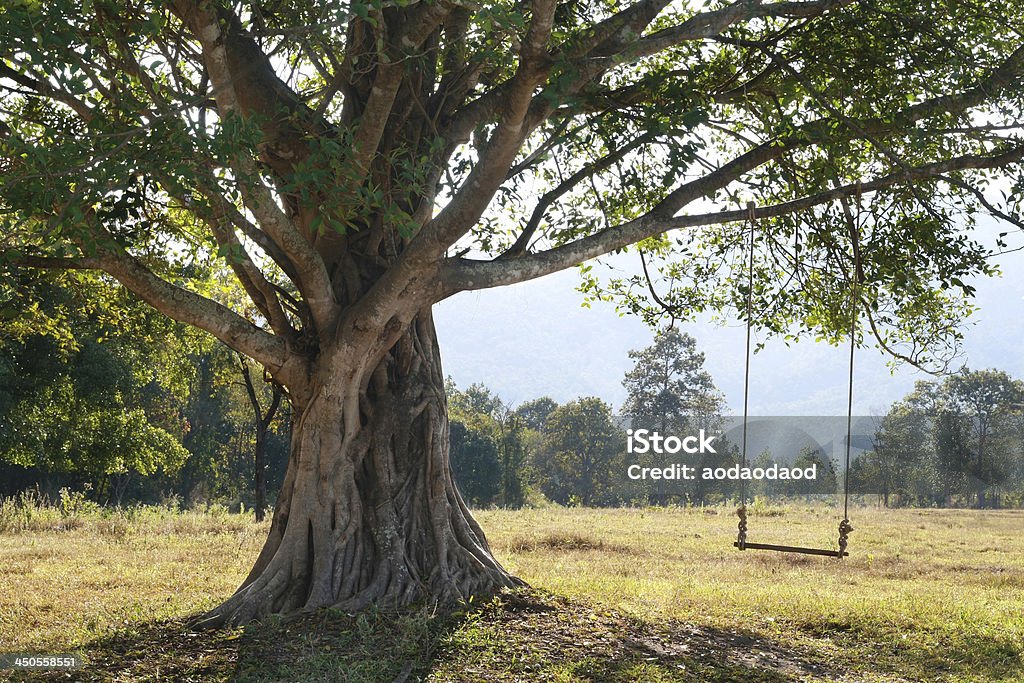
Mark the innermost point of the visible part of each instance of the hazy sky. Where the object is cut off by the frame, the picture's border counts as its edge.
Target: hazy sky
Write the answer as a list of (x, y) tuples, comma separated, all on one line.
[(534, 339)]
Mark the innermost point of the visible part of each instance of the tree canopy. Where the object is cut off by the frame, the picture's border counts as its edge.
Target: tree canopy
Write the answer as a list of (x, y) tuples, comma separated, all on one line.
[(504, 141)]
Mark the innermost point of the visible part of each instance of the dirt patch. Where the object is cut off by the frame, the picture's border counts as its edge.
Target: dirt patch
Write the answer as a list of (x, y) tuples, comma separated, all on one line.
[(519, 637), (565, 542)]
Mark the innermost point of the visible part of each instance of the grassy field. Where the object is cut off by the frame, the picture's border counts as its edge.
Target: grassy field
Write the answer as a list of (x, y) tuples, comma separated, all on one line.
[(618, 595)]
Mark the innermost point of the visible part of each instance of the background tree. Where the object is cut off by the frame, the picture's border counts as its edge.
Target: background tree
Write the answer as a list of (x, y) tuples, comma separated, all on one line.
[(581, 455), (952, 453), (221, 434), (263, 419), (491, 425), (669, 391), (513, 448), (668, 388), (764, 487), (535, 413), (903, 443), (351, 165), (475, 463), (956, 442), (85, 390), (976, 431), (476, 399), (825, 481)]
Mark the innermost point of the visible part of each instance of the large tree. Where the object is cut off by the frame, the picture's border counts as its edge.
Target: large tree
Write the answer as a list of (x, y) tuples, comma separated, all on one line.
[(355, 163), (977, 429), (668, 389)]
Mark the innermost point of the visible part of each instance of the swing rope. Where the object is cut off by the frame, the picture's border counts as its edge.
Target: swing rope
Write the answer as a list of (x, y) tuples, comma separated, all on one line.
[(845, 528), (741, 537), (855, 227)]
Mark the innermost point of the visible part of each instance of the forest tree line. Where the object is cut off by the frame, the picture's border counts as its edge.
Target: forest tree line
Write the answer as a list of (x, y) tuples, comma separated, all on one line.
[(131, 407)]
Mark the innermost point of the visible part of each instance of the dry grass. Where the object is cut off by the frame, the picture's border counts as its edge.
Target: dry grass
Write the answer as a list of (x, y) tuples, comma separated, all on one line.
[(924, 594), (68, 579), (652, 595)]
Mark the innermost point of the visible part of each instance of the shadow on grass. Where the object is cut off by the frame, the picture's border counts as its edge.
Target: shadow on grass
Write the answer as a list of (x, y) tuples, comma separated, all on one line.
[(329, 646), (519, 637), (537, 637)]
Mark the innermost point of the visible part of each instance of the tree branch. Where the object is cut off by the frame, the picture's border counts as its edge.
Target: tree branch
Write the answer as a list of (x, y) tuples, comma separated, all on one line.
[(261, 292), (821, 131), (616, 44), (710, 24), (466, 274), (176, 302), (497, 156), (523, 241), (188, 307), (44, 89), (53, 262), (480, 274), (390, 72), (313, 279)]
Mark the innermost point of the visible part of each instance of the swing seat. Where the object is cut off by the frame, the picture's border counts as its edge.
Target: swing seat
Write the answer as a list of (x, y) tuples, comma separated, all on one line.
[(791, 549), (844, 526)]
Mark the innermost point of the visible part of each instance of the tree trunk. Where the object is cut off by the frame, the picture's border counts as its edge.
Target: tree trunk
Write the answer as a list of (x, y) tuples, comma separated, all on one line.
[(368, 512), (120, 482), (260, 475), (263, 423)]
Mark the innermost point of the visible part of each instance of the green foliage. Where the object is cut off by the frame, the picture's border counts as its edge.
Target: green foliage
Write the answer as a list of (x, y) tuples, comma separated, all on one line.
[(668, 388), (825, 482), (58, 430), (580, 453), (488, 447), (960, 441), (80, 398), (476, 401), (535, 413), (474, 460), (96, 388), (222, 433)]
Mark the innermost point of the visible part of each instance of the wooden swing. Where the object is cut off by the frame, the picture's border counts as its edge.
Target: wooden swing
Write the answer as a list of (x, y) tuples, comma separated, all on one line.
[(845, 528)]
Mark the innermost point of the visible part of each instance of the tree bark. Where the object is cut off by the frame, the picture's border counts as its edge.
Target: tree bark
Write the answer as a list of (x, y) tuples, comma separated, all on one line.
[(368, 512)]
